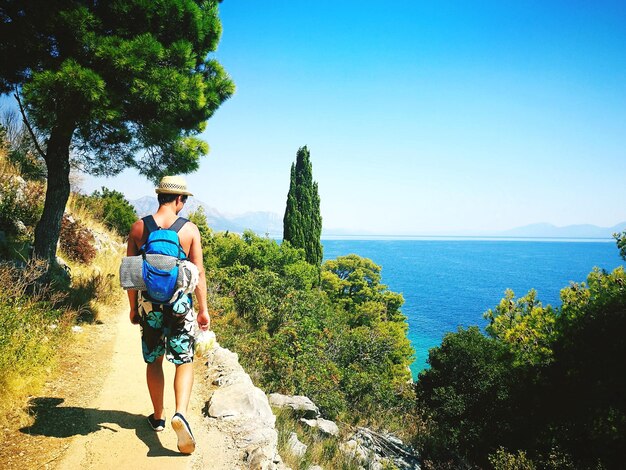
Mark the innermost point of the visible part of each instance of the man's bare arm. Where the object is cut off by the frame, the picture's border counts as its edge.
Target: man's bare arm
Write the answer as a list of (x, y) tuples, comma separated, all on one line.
[(132, 249), (195, 256)]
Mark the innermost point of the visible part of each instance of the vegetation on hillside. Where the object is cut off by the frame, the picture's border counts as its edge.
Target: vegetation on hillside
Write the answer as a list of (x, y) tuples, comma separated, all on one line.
[(545, 388), (343, 344), (110, 207)]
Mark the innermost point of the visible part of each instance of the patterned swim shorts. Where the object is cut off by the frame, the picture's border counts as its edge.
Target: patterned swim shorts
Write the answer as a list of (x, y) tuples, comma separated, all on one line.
[(163, 332)]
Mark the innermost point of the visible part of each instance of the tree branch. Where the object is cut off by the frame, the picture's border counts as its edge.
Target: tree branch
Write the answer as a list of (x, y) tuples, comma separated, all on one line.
[(30, 129)]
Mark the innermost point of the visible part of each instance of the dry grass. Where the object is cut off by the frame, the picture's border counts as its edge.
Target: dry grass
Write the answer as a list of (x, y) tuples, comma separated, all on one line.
[(31, 331)]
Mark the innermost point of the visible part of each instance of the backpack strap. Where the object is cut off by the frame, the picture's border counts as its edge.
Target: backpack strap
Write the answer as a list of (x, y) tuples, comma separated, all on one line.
[(178, 224), (150, 224)]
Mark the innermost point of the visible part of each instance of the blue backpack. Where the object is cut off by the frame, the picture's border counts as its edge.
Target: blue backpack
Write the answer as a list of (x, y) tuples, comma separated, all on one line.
[(161, 283)]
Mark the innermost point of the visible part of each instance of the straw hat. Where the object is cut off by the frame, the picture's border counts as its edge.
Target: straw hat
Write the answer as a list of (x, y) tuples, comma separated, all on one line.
[(173, 185)]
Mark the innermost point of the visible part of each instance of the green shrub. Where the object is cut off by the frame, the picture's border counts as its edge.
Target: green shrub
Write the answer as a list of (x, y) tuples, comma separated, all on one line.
[(466, 393), (111, 208), (549, 382)]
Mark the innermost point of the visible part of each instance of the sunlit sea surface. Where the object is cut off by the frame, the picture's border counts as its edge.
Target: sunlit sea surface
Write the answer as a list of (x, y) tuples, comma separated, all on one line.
[(448, 283)]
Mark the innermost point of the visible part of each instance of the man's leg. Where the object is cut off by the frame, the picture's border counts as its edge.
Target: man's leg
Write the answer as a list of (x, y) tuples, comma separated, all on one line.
[(156, 384), (180, 351), (153, 348), (183, 382)]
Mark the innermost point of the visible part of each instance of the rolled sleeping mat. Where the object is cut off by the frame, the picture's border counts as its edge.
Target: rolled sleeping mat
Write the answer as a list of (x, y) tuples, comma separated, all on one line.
[(131, 270)]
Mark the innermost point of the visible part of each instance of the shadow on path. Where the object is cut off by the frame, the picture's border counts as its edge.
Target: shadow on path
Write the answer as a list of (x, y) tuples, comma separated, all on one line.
[(55, 421)]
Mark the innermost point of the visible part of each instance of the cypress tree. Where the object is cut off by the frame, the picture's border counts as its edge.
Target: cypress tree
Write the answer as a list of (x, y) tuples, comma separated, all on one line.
[(302, 224)]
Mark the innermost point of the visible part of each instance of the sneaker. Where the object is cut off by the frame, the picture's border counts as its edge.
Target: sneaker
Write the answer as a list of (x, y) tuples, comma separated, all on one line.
[(186, 442), (157, 424)]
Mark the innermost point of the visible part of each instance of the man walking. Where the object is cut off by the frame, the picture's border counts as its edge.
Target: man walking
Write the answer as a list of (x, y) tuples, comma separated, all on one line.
[(162, 331)]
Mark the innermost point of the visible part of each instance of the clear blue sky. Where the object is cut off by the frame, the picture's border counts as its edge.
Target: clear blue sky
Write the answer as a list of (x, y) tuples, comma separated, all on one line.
[(421, 117)]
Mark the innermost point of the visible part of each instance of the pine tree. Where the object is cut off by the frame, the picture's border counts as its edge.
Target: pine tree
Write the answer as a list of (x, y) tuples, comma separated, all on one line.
[(122, 84), (302, 224)]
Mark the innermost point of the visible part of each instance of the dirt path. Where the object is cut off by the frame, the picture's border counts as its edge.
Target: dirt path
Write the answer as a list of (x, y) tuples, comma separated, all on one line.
[(110, 428)]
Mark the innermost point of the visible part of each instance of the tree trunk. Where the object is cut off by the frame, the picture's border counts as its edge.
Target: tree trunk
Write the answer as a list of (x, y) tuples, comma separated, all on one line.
[(57, 193)]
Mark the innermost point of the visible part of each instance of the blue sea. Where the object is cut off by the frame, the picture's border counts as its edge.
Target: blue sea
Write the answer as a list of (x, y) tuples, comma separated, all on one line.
[(447, 283)]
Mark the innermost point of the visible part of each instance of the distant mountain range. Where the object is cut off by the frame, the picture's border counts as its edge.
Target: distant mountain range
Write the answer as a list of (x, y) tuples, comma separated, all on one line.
[(545, 230), (260, 222), (272, 224)]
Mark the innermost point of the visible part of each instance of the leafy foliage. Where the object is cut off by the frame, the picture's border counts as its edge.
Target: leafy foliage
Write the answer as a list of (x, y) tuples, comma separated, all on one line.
[(525, 326), (354, 283), (21, 151), (124, 74), (466, 393), (299, 339), (545, 389), (587, 381), (302, 223), (503, 460)]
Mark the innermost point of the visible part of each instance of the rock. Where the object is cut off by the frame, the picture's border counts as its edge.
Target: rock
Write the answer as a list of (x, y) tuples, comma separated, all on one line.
[(77, 329), (315, 467), (225, 369), (301, 404), (324, 425), (354, 450), (250, 434), (241, 400), (246, 408), (230, 379), (296, 447), (225, 362), (260, 459), (64, 275), (382, 447)]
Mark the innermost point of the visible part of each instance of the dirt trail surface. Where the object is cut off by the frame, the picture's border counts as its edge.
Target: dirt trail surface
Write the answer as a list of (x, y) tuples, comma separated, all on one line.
[(95, 415)]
